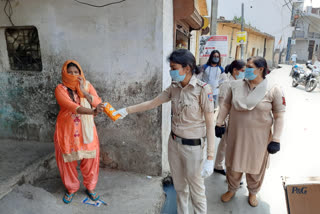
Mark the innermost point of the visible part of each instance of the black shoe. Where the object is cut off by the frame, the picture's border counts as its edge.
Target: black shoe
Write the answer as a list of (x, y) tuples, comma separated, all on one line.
[(220, 171)]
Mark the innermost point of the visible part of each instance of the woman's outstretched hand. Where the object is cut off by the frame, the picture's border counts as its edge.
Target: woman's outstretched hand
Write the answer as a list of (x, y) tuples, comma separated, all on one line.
[(98, 109), (123, 113)]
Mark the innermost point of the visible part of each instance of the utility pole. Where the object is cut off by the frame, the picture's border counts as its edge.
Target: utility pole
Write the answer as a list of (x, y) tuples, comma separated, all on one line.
[(214, 14), (242, 29)]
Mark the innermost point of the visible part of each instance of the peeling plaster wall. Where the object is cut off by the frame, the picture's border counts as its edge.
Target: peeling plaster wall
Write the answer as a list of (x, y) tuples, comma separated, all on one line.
[(122, 49)]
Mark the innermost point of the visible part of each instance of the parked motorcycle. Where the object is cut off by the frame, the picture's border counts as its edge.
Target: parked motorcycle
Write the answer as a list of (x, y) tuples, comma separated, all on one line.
[(307, 78), (295, 68)]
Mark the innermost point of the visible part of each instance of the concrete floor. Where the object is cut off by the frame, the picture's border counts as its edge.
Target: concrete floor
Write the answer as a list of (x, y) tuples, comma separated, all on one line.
[(22, 161), (123, 192), (17, 155)]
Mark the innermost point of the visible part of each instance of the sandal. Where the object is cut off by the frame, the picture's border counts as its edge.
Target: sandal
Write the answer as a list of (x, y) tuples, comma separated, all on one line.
[(69, 198), (92, 196)]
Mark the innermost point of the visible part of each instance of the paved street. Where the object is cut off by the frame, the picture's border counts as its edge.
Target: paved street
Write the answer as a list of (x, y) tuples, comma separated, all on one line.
[(299, 155)]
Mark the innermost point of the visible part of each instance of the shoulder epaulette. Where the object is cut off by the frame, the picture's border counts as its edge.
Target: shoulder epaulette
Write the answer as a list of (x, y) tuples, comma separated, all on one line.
[(202, 84)]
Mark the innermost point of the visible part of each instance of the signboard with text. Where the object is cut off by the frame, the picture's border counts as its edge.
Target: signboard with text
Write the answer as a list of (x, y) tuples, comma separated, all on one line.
[(210, 43), (242, 37)]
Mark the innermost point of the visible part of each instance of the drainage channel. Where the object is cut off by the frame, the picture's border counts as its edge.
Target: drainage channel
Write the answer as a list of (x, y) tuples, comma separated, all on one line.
[(170, 205)]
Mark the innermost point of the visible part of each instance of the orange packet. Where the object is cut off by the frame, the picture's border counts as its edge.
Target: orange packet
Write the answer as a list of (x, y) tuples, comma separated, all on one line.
[(108, 109)]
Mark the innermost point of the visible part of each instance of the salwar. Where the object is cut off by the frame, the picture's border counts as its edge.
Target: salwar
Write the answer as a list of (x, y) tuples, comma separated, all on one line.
[(186, 163), (221, 152), (69, 174), (254, 181)]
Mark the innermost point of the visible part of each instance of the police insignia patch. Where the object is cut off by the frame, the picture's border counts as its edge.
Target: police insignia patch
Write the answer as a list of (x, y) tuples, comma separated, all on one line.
[(210, 97)]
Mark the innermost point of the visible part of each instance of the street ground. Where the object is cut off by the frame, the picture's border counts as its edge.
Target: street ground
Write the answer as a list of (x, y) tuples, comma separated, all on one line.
[(124, 193), (133, 193)]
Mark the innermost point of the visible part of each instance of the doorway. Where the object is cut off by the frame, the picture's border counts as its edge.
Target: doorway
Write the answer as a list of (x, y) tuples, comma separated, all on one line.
[(310, 49)]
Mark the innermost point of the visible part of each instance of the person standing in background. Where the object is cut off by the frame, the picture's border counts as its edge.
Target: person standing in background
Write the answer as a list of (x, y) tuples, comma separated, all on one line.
[(212, 74), (294, 58), (234, 71)]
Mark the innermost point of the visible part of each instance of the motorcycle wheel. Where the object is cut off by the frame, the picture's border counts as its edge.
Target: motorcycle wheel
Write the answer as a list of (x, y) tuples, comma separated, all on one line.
[(294, 83), (311, 85)]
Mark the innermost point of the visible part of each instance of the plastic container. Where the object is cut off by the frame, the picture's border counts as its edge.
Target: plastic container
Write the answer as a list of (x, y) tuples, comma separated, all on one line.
[(108, 109)]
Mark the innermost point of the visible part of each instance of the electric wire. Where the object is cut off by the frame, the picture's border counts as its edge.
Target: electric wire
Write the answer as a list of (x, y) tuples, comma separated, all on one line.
[(8, 13), (99, 6), (306, 18)]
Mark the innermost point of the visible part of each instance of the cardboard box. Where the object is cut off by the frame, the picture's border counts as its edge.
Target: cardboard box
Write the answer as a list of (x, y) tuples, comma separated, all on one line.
[(302, 195)]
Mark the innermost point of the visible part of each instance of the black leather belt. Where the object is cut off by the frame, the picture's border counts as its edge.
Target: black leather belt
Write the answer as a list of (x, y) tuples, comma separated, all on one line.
[(189, 142)]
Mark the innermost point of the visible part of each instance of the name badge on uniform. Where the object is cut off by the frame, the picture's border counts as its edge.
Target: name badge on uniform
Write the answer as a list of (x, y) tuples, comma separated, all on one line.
[(210, 97)]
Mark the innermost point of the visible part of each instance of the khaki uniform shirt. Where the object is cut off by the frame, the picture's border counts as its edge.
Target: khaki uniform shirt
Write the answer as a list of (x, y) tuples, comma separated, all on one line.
[(225, 85), (188, 106)]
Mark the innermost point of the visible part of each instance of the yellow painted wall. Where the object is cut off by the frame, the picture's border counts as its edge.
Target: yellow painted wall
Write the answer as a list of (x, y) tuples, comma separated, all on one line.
[(253, 41)]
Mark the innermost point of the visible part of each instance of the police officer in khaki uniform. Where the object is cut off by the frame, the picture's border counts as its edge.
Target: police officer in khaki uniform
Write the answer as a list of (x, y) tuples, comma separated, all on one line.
[(234, 71), (254, 106), (191, 142)]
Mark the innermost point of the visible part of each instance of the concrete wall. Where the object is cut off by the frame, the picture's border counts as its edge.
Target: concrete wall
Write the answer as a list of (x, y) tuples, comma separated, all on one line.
[(166, 79), (301, 48), (122, 49)]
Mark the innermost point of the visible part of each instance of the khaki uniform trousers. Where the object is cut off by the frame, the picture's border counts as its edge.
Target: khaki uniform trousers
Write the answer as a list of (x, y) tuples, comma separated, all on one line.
[(221, 153), (186, 164), (254, 181)]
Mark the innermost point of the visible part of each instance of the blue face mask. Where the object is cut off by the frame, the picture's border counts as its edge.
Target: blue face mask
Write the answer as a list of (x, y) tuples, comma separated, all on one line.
[(240, 76), (176, 76), (215, 60), (249, 74)]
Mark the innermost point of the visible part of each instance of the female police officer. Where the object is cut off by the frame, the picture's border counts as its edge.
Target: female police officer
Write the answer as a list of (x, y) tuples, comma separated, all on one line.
[(254, 106), (235, 71), (192, 128)]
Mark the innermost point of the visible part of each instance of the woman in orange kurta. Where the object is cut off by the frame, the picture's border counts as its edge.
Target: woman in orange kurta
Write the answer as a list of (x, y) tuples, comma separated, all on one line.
[(76, 136)]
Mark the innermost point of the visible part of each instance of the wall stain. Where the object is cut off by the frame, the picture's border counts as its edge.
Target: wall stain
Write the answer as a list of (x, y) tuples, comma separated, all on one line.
[(29, 111)]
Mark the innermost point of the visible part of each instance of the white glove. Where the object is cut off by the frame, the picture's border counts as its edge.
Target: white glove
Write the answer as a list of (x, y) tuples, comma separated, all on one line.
[(207, 169), (123, 113)]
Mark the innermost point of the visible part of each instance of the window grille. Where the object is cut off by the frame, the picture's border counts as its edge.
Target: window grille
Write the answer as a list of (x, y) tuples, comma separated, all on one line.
[(23, 48)]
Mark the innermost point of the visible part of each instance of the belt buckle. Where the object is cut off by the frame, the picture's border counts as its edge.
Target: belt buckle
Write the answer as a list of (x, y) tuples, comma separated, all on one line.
[(177, 139)]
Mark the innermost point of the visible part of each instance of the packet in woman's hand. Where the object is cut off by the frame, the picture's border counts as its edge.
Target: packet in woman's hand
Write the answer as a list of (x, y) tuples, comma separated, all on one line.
[(108, 109)]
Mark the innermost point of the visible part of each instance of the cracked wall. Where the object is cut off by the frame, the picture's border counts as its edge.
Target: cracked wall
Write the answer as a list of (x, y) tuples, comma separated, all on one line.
[(122, 50)]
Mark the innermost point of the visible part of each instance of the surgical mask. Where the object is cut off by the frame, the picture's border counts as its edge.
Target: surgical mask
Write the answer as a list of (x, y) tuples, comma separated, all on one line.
[(240, 76), (215, 60), (176, 76), (249, 74)]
